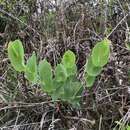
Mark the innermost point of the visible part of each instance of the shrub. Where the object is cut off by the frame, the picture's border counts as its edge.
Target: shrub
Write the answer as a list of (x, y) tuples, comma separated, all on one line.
[(60, 83)]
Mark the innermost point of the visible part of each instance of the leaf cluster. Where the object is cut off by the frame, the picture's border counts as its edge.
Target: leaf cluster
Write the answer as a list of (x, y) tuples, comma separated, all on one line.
[(60, 83), (97, 60)]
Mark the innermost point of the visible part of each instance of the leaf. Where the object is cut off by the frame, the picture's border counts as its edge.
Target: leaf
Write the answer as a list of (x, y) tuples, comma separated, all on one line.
[(128, 127), (58, 92), (68, 91), (91, 69), (60, 73), (68, 59), (72, 71), (77, 98), (71, 90), (90, 80), (16, 55), (77, 86), (45, 74), (100, 53), (31, 68)]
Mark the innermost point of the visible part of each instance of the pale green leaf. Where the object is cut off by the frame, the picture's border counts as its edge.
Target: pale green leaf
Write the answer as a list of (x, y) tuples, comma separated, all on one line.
[(91, 69), (90, 80), (45, 74), (58, 93), (77, 98), (16, 55), (31, 69), (68, 59), (60, 73), (71, 90), (72, 71), (76, 89), (101, 53)]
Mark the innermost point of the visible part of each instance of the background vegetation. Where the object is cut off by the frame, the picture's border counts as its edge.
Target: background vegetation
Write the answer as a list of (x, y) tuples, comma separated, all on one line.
[(50, 28)]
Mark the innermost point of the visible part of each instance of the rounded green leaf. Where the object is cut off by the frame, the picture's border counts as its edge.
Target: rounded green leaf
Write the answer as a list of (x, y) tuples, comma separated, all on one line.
[(45, 75), (77, 98), (60, 73), (68, 90), (71, 90), (16, 55), (31, 69), (77, 89), (58, 93), (100, 53), (68, 59), (91, 69), (71, 71), (90, 80)]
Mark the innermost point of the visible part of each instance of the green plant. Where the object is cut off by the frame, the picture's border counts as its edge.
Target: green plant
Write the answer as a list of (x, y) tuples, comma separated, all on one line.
[(96, 61), (60, 83)]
